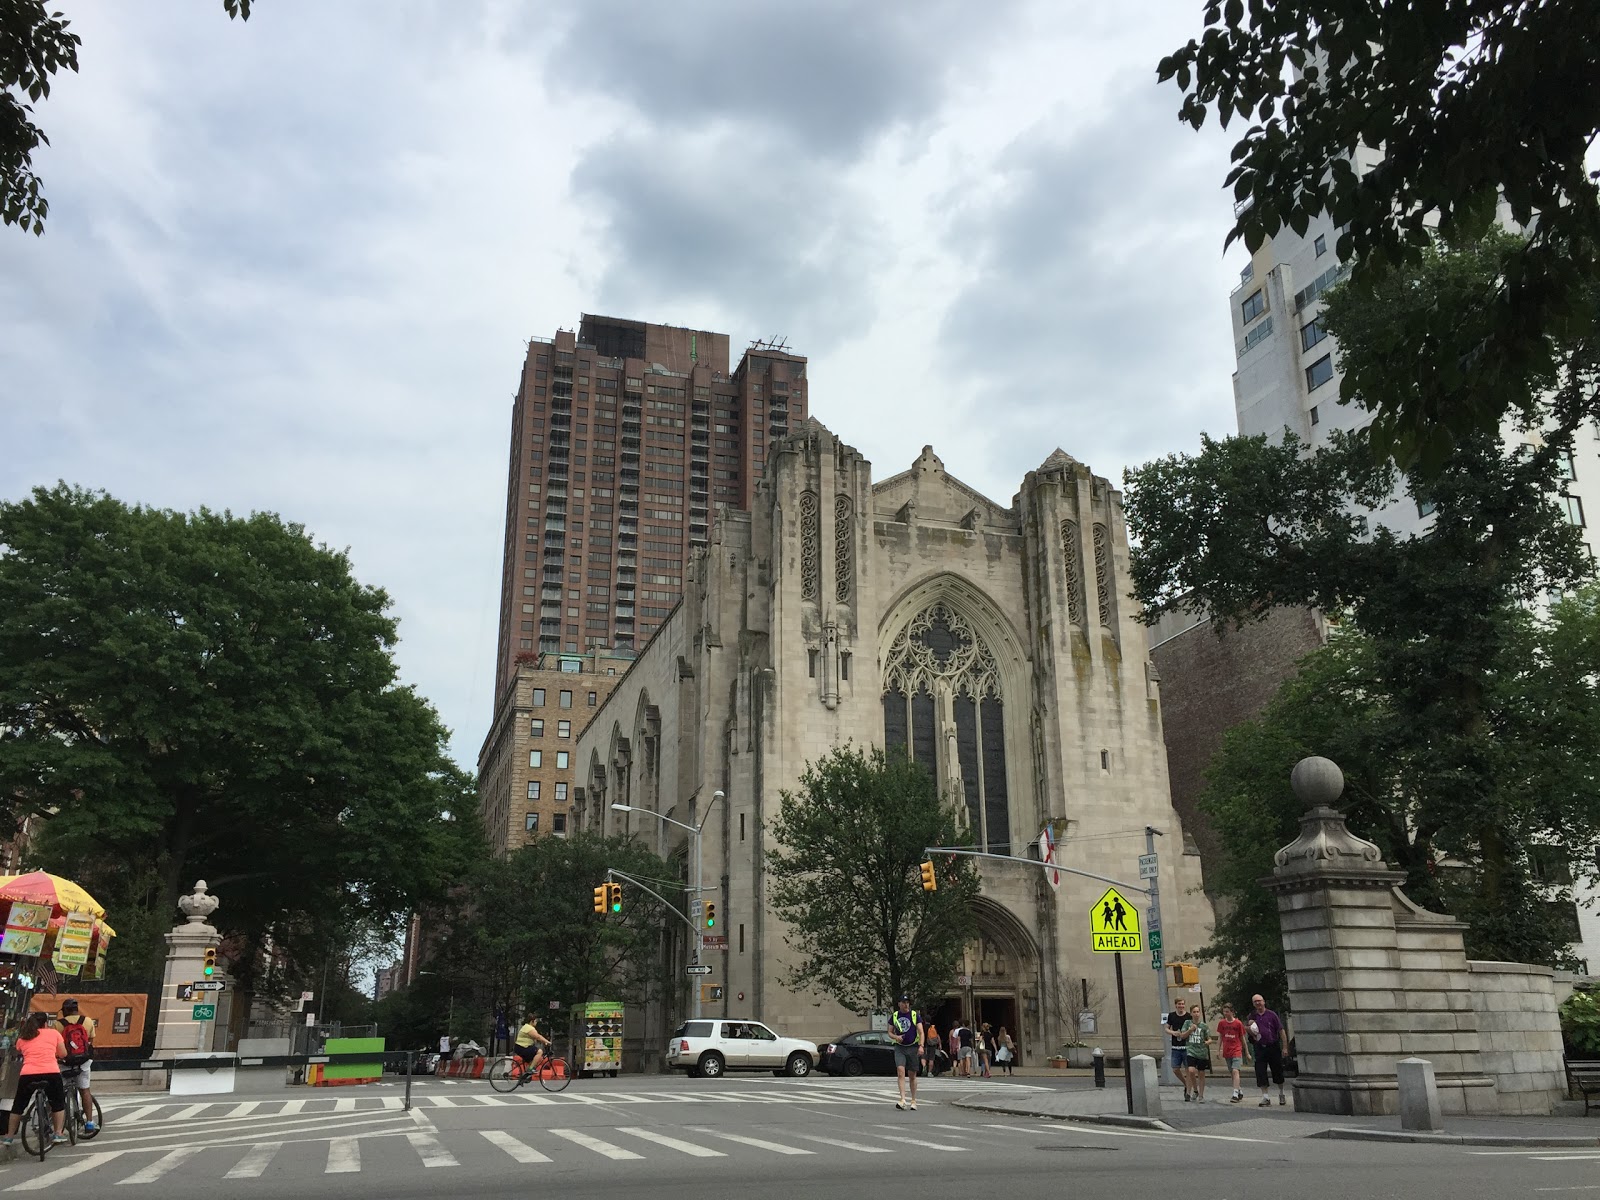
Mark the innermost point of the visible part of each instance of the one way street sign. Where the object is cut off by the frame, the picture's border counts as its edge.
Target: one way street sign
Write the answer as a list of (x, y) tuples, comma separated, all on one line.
[(701, 969)]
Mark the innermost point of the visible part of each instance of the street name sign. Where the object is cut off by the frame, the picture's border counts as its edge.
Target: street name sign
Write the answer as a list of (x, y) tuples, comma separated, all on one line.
[(1148, 866), (205, 1012), (714, 941), (1114, 925), (701, 969)]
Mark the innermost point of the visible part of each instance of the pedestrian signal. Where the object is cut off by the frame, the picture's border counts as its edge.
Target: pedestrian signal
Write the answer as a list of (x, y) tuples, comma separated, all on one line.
[(711, 915), (1185, 974), (616, 897), (930, 881), (602, 896), (210, 961)]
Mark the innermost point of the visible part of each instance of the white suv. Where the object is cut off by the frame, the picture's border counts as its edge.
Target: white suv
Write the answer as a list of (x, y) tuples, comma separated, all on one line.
[(708, 1048)]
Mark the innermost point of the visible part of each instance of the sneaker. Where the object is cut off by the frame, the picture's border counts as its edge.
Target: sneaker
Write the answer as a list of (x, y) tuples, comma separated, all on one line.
[(1237, 1096), (1266, 1102), (8, 1141), (900, 1104), (1186, 1096), (59, 1139), (913, 1106), (1282, 1099), (90, 1127)]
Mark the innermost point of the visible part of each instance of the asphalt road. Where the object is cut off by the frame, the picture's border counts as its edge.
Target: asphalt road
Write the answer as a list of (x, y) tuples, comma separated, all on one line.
[(737, 1137)]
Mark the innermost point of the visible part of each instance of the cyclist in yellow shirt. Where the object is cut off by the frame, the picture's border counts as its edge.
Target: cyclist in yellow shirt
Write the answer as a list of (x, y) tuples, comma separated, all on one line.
[(530, 1043)]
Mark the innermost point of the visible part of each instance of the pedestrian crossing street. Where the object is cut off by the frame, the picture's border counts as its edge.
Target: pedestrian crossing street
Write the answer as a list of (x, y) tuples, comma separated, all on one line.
[(402, 1145)]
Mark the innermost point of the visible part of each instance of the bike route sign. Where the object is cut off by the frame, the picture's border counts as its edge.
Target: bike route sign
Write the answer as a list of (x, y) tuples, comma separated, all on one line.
[(1114, 925), (205, 1012)]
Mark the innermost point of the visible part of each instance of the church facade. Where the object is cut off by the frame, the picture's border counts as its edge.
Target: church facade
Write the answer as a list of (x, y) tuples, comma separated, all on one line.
[(997, 644)]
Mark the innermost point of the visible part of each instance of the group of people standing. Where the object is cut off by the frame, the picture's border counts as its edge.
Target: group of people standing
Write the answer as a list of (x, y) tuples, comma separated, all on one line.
[(919, 1046), (1262, 1040)]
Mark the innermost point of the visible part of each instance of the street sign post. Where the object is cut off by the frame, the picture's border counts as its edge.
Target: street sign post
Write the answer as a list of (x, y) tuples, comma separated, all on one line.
[(205, 1012), (1114, 925), (698, 969)]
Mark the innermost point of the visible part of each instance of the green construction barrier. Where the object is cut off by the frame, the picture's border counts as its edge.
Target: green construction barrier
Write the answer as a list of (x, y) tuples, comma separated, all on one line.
[(370, 1069)]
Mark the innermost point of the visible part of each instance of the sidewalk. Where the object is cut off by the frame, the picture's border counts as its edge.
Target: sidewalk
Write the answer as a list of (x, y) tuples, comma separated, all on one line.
[(1246, 1121)]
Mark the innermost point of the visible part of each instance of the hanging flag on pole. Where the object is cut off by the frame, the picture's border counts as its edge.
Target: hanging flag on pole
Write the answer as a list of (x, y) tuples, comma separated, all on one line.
[(1047, 853)]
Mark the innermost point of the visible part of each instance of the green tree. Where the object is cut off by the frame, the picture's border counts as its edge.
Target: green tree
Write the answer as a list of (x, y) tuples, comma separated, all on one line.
[(1470, 103), (203, 695), (523, 931), (35, 45), (845, 876)]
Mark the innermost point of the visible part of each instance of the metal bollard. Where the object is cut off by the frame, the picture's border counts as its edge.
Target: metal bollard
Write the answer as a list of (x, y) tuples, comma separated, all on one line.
[(1099, 1057)]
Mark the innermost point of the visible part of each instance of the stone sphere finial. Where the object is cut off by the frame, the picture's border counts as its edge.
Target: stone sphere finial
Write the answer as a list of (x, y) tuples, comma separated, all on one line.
[(198, 905), (1318, 782)]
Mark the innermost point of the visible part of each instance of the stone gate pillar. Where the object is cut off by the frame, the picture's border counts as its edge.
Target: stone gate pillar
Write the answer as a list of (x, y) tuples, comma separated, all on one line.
[(1372, 977), (177, 1032)]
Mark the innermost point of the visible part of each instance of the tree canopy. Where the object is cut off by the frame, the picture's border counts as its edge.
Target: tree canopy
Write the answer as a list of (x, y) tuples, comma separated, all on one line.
[(1471, 104), (203, 695), (845, 876), (35, 45)]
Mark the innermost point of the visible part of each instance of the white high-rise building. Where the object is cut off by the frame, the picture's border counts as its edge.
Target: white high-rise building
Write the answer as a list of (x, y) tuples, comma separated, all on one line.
[(1288, 378)]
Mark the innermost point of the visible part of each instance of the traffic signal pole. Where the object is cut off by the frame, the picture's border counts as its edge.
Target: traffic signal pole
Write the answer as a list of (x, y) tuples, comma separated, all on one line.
[(1150, 834)]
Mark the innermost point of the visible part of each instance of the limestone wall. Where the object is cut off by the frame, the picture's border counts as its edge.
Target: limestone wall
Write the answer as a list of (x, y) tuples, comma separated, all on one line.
[(1519, 1034)]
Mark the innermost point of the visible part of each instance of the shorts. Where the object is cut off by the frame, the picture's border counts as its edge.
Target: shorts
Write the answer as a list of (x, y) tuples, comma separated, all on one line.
[(525, 1053), (1233, 1064), (1180, 1057), (967, 1054), (1199, 1064), (906, 1059), (1269, 1058), (55, 1091), (82, 1072)]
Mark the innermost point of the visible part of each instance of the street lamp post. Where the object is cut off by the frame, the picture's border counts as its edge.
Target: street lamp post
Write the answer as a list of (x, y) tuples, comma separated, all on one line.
[(699, 880)]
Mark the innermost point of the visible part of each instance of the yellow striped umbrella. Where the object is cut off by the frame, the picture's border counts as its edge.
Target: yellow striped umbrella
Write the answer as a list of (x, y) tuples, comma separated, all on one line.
[(39, 887)]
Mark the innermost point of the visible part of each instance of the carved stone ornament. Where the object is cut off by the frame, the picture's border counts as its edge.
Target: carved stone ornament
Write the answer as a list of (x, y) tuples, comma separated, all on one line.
[(1324, 846), (939, 645), (1102, 573), (810, 547), (1070, 554), (198, 905), (843, 543)]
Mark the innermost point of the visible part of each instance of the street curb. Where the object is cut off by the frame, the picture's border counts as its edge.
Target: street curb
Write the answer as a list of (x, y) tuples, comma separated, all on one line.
[(1124, 1121), (1448, 1139)]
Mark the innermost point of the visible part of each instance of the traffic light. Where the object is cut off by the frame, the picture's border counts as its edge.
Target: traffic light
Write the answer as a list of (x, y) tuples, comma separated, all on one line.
[(1185, 974), (711, 915), (210, 961), (930, 882), (602, 898), (616, 897)]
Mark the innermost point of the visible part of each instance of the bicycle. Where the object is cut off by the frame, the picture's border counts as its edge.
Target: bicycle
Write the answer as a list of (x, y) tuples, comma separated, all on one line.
[(77, 1118), (38, 1130), (507, 1074)]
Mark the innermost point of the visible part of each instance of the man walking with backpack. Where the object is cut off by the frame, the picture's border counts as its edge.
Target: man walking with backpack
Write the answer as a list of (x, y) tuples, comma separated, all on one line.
[(907, 1033), (78, 1033)]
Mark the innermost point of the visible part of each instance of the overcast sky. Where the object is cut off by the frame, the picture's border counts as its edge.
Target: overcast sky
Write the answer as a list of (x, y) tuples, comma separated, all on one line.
[(292, 264)]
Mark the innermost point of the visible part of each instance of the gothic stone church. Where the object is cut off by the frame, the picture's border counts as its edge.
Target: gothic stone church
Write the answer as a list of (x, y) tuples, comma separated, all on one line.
[(998, 644)]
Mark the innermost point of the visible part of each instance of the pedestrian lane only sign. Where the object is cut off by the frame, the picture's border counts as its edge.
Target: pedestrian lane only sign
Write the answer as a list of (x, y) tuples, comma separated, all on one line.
[(1114, 924)]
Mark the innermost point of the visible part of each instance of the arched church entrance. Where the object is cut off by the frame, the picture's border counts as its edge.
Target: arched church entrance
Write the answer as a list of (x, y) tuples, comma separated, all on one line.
[(998, 981)]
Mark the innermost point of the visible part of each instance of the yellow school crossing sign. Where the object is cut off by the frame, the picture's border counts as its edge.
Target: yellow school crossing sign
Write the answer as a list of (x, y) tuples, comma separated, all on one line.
[(1114, 923)]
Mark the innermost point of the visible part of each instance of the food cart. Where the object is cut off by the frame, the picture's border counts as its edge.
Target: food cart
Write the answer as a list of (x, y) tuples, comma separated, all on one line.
[(602, 1038)]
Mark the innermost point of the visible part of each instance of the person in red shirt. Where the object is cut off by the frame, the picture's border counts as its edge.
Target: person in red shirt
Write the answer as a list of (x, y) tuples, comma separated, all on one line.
[(42, 1048), (1230, 1037)]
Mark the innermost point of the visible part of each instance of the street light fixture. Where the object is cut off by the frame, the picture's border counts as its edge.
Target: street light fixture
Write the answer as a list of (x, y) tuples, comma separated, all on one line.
[(699, 873)]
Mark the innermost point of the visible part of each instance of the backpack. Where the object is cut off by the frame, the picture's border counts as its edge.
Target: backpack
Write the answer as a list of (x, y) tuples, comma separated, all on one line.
[(77, 1039)]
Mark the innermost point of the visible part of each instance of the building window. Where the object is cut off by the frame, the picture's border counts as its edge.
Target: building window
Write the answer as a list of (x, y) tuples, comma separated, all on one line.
[(1550, 866), (593, 699), (561, 760), (811, 663), (561, 794), (535, 758), (530, 823), (536, 727), (566, 699), (1426, 508), (563, 729), (558, 823), (1311, 333), (538, 697), (533, 789), (1574, 507), (1105, 760), (1319, 372), (1316, 417), (1321, 244), (741, 827), (1254, 305), (1565, 467), (844, 667), (741, 939)]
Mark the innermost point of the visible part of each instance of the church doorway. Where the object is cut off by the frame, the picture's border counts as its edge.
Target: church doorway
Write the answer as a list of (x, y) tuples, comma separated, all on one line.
[(998, 1012)]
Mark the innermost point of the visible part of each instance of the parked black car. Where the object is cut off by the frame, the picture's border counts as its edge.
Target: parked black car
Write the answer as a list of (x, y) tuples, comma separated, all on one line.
[(868, 1052)]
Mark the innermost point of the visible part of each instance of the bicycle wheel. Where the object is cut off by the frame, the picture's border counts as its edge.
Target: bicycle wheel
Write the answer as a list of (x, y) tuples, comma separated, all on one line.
[(74, 1111), (36, 1127), (99, 1123), (553, 1075), (504, 1075)]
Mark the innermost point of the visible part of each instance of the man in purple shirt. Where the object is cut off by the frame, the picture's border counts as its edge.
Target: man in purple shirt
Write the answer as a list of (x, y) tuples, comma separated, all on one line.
[(1269, 1041)]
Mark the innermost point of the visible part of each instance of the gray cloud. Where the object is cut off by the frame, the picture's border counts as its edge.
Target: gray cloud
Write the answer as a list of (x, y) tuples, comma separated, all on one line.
[(1096, 316)]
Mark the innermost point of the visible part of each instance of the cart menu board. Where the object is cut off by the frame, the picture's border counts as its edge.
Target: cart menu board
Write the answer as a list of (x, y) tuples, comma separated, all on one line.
[(602, 1037), (25, 929), (72, 943)]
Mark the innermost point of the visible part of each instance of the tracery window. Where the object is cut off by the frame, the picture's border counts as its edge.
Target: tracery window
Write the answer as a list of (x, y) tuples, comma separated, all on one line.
[(810, 546), (942, 704), (843, 543), (1073, 568), (1102, 573)]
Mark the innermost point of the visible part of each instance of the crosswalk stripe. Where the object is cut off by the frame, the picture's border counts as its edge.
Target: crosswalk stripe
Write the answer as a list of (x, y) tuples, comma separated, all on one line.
[(432, 1150), (491, 1100), (1565, 1157), (194, 1110), (926, 1145), (593, 1143), (138, 1114), (345, 1105), (254, 1163), (39, 1182), (249, 1106), (442, 1102), (344, 1156), (671, 1143), (161, 1165), (291, 1107), (843, 1145), (521, 1152), (391, 1104), (758, 1143)]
